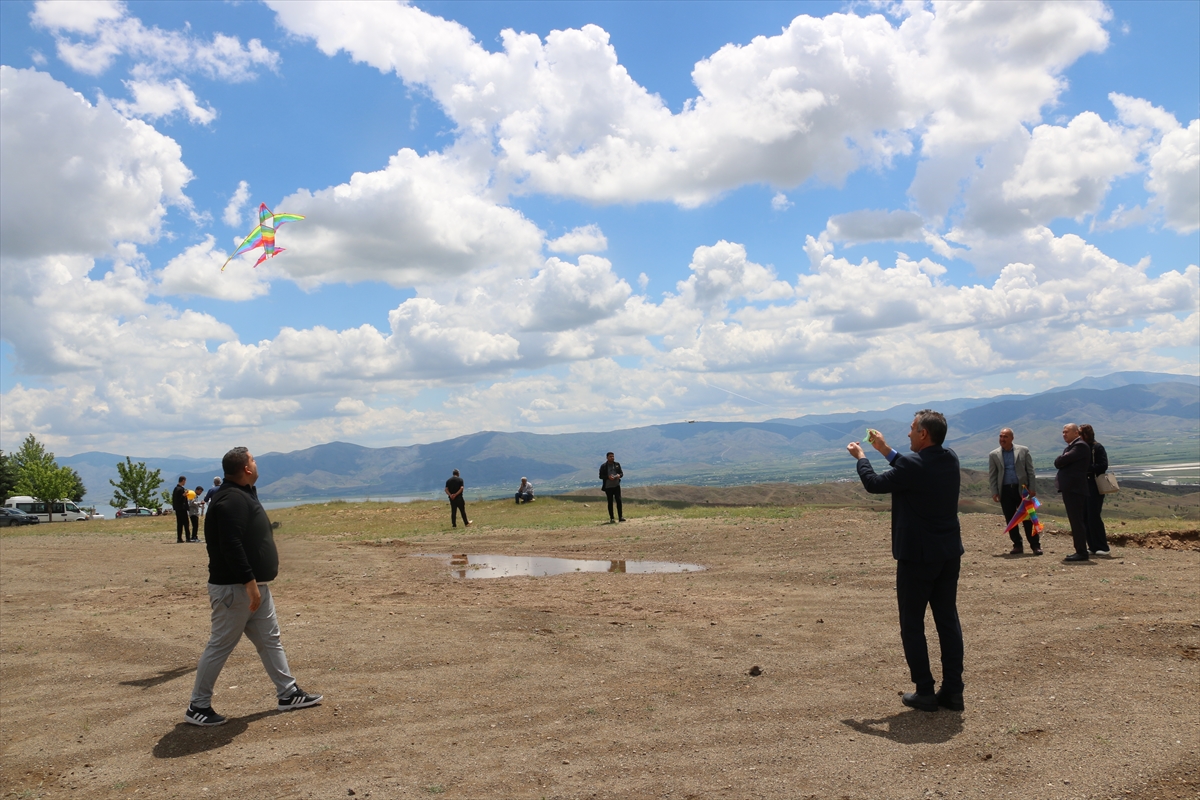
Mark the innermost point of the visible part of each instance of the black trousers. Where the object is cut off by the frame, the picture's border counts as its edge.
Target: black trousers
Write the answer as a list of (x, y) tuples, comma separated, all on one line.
[(1077, 511), (195, 518), (181, 526), (1010, 501), (933, 584), (1097, 535), (458, 505), (614, 493)]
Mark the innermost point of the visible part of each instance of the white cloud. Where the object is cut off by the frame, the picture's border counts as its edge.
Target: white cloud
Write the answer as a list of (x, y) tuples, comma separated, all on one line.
[(197, 272), (108, 32), (1175, 177), (722, 273), (421, 219), (822, 98), (584, 239), (237, 201), (156, 100), (565, 296), (75, 178), (874, 226), (780, 202)]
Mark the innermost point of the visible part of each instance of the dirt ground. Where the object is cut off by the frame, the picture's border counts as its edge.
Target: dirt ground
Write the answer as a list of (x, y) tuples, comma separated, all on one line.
[(1081, 680)]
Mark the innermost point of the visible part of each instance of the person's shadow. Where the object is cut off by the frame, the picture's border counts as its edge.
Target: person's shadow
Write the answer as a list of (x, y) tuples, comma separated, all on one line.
[(162, 677), (188, 740), (912, 727)]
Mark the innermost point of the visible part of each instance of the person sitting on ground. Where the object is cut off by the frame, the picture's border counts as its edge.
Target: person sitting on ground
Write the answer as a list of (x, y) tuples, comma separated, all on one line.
[(525, 492)]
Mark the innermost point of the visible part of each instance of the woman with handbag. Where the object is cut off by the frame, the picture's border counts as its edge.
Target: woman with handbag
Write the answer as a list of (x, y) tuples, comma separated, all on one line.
[(1096, 535)]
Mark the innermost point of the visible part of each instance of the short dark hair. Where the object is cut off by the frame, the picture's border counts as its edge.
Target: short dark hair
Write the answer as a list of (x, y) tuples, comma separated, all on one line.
[(609, 453), (1088, 433), (182, 478), (933, 423), (235, 460), (455, 472)]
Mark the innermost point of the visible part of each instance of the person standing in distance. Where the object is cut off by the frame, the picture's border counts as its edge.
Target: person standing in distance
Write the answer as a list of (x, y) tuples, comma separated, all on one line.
[(1097, 534), (1073, 466), (610, 477), (179, 503), (242, 560), (458, 504), (927, 546), (1010, 466)]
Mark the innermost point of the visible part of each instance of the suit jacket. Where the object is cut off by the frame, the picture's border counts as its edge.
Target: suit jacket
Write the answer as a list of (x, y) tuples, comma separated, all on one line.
[(924, 489), (1073, 467), (1024, 464), (604, 481)]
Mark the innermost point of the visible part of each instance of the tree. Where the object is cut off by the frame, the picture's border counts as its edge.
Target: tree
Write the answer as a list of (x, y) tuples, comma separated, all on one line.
[(137, 487), (78, 490), (46, 481), (31, 452), (8, 477)]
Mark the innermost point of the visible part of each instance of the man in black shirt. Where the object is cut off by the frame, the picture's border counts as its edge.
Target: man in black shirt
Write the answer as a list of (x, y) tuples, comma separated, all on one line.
[(179, 503), (927, 546), (610, 477), (242, 559), (458, 504)]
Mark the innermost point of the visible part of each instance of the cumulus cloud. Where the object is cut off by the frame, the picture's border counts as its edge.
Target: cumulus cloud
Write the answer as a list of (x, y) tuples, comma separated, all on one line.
[(75, 177), (237, 202), (874, 226), (722, 273), (421, 219), (1175, 177), (584, 239), (820, 99), (90, 36), (156, 100), (197, 272)]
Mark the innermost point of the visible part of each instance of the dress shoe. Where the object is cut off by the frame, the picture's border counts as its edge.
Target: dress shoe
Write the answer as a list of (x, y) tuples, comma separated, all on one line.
[(1016, 551), (950, 700), (921, 702), (1076, 557)]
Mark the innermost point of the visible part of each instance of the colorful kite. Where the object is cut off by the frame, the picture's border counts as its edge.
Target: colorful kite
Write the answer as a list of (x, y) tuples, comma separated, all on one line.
[(1027, 511), (263, 236)]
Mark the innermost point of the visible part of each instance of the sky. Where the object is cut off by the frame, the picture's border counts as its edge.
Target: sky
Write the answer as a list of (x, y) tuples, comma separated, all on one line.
[(559, 217)]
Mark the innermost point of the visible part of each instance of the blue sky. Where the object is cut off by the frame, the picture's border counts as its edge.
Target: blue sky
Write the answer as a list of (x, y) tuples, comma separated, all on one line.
[(614, 214)]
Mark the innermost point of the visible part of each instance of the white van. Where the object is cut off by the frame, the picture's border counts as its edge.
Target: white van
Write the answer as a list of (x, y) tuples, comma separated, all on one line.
[(63, 511)]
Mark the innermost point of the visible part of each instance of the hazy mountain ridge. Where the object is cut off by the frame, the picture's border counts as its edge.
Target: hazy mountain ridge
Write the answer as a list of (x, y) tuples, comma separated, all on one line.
[(1143, 422)]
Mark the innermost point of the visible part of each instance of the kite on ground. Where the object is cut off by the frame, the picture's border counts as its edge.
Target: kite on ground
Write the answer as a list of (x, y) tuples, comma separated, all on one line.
[(1027, 511), (263, 236)]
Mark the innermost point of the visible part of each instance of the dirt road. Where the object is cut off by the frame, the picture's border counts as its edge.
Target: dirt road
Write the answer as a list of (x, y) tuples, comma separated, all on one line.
[(1082, 681)]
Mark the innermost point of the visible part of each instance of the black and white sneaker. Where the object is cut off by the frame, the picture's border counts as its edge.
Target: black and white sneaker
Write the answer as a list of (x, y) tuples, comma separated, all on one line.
[(204, 717), (298, 699)]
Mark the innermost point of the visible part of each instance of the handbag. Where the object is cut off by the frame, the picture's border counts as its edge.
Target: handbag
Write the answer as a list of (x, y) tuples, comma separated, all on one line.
[(1106, 484)]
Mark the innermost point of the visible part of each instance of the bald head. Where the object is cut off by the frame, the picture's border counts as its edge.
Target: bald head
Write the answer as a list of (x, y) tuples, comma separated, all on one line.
[(1006, 438), (1070, 432)]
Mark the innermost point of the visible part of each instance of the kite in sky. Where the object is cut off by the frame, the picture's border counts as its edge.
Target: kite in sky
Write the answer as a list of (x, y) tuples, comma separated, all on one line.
[(1027, 511), (263, 236)]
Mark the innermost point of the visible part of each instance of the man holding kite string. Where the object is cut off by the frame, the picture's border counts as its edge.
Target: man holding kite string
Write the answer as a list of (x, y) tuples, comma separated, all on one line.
[(927, 546)]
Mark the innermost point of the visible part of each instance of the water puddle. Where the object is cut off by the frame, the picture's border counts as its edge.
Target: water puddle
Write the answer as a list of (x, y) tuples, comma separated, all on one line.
[(463, 565)]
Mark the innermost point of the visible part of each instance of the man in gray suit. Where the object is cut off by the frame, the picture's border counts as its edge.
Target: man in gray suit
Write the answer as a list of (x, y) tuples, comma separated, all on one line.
[(1010, 467)]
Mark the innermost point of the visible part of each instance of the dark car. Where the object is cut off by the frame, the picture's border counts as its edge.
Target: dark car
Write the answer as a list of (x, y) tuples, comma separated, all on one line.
[(136, 512), (11, 516)]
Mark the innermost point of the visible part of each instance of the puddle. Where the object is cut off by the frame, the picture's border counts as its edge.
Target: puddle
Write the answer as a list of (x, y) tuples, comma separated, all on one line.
[(463, 565)]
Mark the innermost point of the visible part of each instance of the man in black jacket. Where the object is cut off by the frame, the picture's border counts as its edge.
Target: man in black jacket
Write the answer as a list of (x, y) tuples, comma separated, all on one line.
[(241, 561), (927, 546), (179, 503), (1073, 466), (610, 480)]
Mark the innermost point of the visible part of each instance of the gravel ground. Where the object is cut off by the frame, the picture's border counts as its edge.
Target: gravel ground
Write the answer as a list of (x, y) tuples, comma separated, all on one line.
[(1081, 680)]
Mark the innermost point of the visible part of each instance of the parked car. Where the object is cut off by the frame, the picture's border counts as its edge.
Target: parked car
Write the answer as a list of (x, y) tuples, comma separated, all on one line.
[(136, 512), (60, 511), (11, 516)]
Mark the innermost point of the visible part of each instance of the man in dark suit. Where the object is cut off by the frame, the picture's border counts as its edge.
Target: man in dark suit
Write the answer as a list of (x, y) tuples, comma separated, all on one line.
[(1072, 468), (927, 546)]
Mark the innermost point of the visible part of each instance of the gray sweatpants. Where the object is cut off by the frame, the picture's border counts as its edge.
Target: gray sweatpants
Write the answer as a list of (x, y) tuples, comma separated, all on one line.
[(231, 618)]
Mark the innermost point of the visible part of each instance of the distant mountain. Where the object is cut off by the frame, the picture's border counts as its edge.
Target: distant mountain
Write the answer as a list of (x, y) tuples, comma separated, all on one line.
[(1138, 422)]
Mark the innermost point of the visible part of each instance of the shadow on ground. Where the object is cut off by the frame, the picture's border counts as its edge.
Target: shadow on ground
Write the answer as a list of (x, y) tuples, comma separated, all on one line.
[(188, 740), (162, 677), (912, 727)]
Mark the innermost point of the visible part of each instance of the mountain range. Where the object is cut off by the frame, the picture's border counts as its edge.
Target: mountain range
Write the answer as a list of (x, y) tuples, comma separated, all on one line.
[(1142, 418)]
